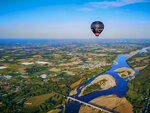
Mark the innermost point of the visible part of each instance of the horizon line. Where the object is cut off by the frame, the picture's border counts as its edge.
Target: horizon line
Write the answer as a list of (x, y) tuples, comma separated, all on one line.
[(71, 38)]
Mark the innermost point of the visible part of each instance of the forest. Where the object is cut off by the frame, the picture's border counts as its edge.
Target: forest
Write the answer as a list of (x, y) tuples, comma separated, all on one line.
[(139, 90)]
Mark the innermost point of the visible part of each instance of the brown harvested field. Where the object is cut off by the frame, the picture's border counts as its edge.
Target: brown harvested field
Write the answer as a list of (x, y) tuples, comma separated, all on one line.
[(11, 60), (55, 69), (73, 92), (62, 85), (130, 55), (54, 80), (1, 84), (69, 64), (54, 111), (37, 56), (146, 61), (76, 83), (120, 105), (30, 60), (21, 71), (139, 68), (2, 59), (37, 100), (69, 72), (56, 55), (87, 109), (89, 59), (139, 59), (98, 54), (5, 64)]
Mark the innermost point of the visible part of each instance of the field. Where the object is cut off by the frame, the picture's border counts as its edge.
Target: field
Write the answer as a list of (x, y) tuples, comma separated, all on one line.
[(37, 100), (120, 105), (40, 103)]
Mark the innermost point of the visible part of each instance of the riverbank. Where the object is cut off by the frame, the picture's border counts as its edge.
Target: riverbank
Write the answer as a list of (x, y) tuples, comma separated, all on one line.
[(140, 68), (116, 62), (105, 82), (138, 89), (73, 92), (133, 53), (87, 109), (120, 105)]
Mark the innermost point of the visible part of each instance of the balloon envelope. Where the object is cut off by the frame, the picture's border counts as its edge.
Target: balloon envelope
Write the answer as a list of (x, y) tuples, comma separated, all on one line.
[(97, 27)]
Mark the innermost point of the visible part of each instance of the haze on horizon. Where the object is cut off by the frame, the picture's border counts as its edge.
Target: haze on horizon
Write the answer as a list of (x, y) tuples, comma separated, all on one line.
[(72, 18)]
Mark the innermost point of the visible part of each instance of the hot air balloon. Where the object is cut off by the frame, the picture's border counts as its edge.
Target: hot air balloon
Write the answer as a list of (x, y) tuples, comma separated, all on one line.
[(97, 27)]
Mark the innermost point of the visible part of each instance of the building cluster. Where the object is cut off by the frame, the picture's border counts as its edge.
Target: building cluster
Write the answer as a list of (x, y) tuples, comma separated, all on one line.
[(94, 65)]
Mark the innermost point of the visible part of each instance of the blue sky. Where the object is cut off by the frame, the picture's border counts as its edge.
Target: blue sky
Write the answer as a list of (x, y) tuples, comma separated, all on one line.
[(72, 18)]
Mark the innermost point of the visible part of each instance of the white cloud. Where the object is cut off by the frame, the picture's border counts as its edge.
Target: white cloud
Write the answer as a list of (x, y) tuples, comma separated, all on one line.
[(116, 3), (85, 9)]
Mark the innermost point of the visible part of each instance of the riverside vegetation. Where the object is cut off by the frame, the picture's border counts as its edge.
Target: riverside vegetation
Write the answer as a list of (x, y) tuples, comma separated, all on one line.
[(138, 88)]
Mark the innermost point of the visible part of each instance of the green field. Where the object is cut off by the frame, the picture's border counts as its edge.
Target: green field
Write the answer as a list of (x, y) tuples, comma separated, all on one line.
[(37, 100)]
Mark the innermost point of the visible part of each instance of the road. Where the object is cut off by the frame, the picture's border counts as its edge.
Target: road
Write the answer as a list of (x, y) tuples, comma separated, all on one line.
[(147, 104)]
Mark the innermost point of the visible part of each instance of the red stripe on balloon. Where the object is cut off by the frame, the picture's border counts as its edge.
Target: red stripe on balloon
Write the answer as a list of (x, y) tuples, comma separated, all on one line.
[(97, 34)]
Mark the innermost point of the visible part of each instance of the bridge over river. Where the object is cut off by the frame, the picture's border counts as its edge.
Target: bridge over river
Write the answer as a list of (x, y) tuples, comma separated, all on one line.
[(92, 105), (89, 104)]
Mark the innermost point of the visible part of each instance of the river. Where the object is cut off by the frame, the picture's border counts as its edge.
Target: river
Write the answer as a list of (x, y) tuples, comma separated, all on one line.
[(120, 89)]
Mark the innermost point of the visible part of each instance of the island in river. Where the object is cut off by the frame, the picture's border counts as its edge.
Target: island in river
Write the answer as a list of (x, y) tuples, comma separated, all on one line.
[(102, 82), (125, 72)]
